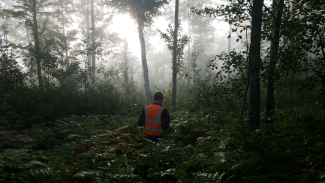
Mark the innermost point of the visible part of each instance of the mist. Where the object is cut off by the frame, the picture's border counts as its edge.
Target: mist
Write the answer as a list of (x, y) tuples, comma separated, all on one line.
[(116, 53), (162, 91)]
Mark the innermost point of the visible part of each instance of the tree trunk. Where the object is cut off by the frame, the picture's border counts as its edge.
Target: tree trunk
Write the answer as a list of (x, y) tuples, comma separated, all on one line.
[(255, 63), (63, 29), (229, 46), (93, 61), (321, 40), (143, 57), (126, 66), (188, 46), (88, 65), (322, 47), (131, 75), (270, 101), (175, 55), (37, 47), (229, 41), (163, 75)]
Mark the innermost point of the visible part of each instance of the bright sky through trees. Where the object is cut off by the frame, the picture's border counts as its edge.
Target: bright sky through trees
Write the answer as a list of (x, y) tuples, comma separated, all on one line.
[(126, 28)]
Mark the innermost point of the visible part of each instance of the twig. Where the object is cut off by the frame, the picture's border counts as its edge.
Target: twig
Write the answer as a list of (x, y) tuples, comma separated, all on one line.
[(270, 12), (322, 45)]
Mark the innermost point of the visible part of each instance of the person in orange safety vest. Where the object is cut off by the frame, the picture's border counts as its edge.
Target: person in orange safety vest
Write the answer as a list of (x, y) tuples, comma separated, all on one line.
[(154, 118)]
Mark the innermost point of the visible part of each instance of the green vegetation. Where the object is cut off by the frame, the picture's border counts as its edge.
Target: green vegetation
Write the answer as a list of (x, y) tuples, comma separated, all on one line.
[(203, 144), (70, 99)]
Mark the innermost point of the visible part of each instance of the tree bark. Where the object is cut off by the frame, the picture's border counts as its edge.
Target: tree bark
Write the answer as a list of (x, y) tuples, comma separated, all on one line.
[(175, 56), (88, 65), (255, 60), (163, 75), (143, 57), (188, 46), (229, 46), (229, 41), (37, 47), (126, 66), (321, 40), (322, 47), (93, 32), (63, 29), (270, 101)]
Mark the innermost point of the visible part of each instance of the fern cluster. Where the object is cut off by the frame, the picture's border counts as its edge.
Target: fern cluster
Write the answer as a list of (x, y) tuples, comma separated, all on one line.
[(98, 148), (69, 149)]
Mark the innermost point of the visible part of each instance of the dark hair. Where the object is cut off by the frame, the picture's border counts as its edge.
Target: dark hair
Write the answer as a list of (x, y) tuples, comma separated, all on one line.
[(158, 96)]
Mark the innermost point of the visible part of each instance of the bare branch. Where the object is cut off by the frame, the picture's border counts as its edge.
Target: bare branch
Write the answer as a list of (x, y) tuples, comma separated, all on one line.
[(268, 9)]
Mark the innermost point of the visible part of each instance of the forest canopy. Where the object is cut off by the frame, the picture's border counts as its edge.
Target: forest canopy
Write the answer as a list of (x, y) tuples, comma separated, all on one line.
[(243, 80)]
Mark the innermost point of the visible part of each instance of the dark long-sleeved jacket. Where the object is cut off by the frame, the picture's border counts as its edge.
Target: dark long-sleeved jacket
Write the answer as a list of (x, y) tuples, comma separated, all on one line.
[(165, 120)]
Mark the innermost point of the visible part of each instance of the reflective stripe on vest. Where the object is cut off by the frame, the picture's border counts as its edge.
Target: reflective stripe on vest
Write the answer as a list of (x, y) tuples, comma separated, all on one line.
[(153, 129), (153, 125), (158, 116)]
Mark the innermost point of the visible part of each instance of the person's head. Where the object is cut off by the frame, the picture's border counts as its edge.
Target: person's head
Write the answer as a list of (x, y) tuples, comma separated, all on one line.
[(158, 97)]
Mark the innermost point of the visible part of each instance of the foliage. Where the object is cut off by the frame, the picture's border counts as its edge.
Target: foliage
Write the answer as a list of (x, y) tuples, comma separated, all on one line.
[(74, 148), (235, 13), (145, 10), (111, 149), (74, 131), (182, 40)]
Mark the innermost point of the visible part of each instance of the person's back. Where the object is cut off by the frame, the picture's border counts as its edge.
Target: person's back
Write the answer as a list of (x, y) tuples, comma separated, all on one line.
[(154, 118)]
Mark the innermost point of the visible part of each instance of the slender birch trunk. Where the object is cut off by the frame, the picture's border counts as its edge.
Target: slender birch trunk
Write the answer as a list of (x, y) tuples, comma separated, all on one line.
[(143, 57), (63, 29), (175, 56), (37, 47), (88, 40), (188, 46), (93, 32)]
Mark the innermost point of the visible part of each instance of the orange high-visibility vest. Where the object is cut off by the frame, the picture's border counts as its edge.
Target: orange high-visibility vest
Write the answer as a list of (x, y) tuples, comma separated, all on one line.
[(152, 124)]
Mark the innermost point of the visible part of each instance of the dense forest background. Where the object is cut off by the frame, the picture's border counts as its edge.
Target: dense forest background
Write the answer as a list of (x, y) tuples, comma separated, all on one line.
[(243, 80)]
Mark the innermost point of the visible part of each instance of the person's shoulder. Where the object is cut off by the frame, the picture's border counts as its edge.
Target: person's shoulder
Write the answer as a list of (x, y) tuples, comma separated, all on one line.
[(144, 108), (165, 109)]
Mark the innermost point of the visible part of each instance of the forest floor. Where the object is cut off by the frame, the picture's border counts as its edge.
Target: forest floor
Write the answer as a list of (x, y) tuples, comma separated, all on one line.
[(112, 149)]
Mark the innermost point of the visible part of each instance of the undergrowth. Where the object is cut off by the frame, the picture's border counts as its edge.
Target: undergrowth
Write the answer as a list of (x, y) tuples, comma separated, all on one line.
[(98, 148)]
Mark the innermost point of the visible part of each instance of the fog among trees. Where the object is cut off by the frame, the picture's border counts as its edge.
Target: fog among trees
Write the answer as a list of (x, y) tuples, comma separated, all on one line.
[(243, 80)]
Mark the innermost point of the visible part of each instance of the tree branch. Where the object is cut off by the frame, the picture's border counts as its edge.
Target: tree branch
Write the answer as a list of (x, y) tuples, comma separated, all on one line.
[(270, 12), (322, 33), (322, 44)]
